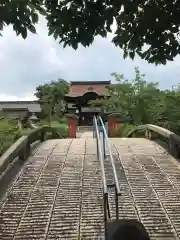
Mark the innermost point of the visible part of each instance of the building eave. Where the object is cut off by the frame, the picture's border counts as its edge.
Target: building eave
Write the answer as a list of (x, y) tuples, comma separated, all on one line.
[(90, 82)]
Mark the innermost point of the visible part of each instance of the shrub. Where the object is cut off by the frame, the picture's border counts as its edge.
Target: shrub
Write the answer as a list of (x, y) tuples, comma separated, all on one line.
[(126, 128), (43, 122), (123, 130), (27, 131), (61, 128), (60, 125), (9, 133), (63, 120)]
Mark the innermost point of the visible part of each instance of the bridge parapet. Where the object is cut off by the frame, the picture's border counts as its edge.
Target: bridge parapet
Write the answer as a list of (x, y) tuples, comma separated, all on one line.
[(22, 147), (155, 132)]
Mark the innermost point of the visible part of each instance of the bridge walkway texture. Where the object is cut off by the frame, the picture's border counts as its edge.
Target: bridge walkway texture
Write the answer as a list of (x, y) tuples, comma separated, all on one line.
[(58, 192)]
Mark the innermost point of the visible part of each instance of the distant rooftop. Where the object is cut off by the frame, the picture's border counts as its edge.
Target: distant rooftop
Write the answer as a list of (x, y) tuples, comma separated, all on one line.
[(79, 88), (90, 82), (32, 106)]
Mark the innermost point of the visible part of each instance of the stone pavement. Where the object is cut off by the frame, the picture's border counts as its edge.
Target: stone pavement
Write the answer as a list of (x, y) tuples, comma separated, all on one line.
[(58, 192)]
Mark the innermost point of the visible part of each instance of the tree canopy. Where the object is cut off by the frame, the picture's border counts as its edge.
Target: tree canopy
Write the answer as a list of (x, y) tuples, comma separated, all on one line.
[(51, 96), (143, 102), (149, 28)]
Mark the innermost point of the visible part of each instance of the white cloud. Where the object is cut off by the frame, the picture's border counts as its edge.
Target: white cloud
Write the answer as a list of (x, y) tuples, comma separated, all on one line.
[(26, 97), (53, 59), (24, 64)]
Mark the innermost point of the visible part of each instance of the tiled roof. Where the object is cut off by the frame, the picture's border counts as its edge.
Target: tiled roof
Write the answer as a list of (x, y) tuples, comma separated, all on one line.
[(79, 89), (32, 106), (90, 82)]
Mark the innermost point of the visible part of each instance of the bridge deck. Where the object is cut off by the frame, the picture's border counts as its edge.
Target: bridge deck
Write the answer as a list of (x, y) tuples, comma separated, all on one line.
[(58, 195)]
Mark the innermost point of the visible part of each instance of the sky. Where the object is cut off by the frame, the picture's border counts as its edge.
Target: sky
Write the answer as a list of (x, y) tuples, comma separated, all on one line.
[(24, 64)]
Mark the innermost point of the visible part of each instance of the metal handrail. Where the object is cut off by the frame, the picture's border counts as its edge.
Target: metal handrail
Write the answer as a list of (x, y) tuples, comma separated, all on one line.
[(96, 134), (97, 128), (105, 136), (100, 156)]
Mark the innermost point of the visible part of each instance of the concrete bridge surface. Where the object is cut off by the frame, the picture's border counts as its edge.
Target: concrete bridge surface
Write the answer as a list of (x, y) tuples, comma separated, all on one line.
[(58, 192)]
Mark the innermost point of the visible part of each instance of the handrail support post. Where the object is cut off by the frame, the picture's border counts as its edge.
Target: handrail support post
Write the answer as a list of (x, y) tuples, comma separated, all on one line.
[(117, 203), (106, 210)]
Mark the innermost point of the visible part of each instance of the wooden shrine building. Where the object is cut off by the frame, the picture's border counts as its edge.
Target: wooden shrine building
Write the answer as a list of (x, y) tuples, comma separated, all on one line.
[(80, 93)]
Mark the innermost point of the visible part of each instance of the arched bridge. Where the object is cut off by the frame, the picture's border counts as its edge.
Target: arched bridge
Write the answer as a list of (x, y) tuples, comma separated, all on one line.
[(58, 192)]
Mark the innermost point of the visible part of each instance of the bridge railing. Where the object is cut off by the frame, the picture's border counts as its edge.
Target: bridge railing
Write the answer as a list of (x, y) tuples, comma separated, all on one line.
[(104, 151), (22, 147), (154, 132)]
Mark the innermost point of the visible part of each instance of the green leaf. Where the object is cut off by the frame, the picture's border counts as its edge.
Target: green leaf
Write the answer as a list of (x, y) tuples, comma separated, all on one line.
[(34, 17), (74, 45), (23, 32), (125, 54), (140, 26), (132, 55), (41, 10), (55, 35), (65, 44), (32, 28), (51, 31), (83, 43), (103, 33)]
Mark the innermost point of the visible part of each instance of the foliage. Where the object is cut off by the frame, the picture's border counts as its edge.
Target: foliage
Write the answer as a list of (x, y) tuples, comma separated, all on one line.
[(61, 128), (169, 110), (144, 102), (9, 133), (43, 122), (63, 120), (123, 130), (133, 98), (149, 28), (96, 103), (60, 125), (26, 131), (51, 95)]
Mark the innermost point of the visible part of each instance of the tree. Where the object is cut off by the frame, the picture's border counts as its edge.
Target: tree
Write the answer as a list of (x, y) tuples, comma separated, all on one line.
[(51, 95), (149, 28), (169, 109), (143, 102), (136, 100)]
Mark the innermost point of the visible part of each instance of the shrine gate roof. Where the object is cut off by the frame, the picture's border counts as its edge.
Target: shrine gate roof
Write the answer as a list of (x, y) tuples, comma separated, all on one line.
[(77, 89)]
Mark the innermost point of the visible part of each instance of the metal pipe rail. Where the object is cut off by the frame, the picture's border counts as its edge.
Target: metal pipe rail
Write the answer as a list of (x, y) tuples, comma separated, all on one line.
[(96, 133), (98, 126), (100, 156), (106, 142)]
